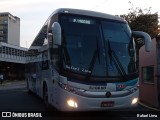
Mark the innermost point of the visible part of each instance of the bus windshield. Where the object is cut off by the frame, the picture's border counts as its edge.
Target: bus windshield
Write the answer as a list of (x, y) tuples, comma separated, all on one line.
[(97, 47)]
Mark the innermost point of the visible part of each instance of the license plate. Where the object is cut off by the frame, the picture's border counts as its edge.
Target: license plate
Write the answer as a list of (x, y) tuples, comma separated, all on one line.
[(107, 104)]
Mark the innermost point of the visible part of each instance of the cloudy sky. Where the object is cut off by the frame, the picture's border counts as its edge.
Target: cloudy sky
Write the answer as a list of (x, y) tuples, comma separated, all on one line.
[(34, 13)]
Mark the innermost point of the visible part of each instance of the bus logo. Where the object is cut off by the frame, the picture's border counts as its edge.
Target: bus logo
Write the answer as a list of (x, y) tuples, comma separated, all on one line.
[(121, 86)]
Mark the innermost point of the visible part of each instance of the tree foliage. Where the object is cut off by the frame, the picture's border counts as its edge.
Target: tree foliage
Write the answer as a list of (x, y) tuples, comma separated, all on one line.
[(142, 20)]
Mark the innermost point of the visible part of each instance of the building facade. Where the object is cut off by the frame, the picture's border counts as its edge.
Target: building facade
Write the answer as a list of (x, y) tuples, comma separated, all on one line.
[(149, 74), (12, 56), (12, 53), (9, 29), (12, 61)]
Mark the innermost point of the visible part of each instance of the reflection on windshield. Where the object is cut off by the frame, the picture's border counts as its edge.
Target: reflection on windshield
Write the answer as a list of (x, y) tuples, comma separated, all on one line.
[(113, 58), (117, 35), (87, 38), (80, 43)]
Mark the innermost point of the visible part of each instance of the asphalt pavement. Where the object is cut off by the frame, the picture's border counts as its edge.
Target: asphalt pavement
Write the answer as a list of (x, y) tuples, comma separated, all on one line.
[(16, 91)]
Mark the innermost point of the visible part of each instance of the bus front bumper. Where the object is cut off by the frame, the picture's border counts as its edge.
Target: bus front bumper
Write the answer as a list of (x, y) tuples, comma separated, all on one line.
[(68, 101)]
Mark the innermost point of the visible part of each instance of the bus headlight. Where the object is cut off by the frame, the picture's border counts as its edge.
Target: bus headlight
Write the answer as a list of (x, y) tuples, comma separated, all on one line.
[(134, 101), (71, 88), (72, 103), (133, 89)]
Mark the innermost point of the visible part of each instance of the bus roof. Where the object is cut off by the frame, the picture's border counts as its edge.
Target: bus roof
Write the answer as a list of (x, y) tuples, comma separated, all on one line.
[(80, 12), (87, 13)]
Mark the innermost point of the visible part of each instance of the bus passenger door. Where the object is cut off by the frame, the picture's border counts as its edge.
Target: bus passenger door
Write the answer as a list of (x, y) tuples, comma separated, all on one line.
[(33, 77)]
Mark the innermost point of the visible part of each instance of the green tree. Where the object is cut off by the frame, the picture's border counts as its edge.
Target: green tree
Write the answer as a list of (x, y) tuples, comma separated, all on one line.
[(142, 20)]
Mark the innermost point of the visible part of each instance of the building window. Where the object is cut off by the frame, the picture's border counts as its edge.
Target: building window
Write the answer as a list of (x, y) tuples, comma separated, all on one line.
[(5, 21), (1, 32), (158, 52), (1, 38), (148, 74), (0, 49)]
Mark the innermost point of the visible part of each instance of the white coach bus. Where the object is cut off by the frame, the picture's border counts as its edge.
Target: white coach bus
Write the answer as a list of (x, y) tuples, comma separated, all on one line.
[(84, 60)]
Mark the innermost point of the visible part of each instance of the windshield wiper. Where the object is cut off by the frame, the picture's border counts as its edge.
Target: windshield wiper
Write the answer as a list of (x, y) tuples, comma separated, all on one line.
[(113, 57), (93, 61)]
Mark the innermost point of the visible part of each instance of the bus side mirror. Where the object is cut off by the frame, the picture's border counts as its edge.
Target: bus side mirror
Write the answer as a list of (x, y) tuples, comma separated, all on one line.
[(56, 32), (145, 37)]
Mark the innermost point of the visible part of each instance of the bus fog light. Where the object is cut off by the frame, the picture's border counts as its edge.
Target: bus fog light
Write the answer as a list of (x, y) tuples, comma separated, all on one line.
[(134, 101), (72, 103)]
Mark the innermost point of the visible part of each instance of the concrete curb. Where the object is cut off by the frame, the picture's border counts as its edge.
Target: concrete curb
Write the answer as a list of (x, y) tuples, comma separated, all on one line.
[(8, 82), (149, 107)]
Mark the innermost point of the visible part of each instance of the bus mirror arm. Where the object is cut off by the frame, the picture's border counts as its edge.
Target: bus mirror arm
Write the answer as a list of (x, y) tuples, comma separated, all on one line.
[(147, 39), (56, 33)]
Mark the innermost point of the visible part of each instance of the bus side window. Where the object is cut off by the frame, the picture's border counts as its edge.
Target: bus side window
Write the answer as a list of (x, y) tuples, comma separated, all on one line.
[(54, 52), (55, 56)]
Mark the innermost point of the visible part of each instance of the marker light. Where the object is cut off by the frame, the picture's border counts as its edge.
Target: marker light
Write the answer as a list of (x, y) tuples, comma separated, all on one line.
[(134, 101), (66, 11), (72, 103)]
